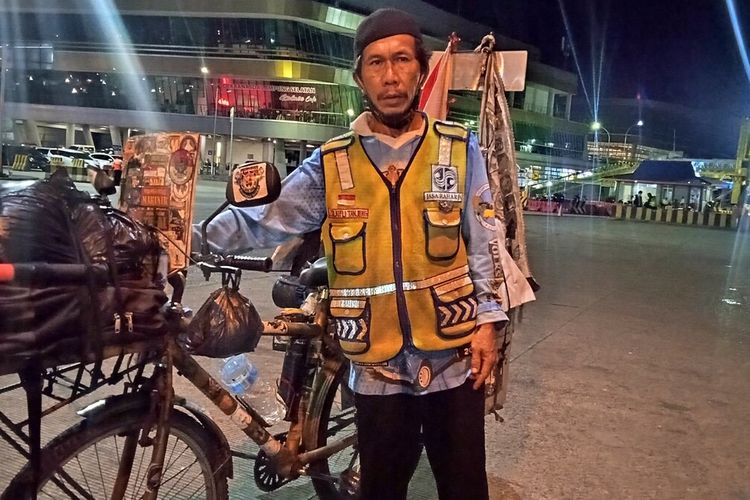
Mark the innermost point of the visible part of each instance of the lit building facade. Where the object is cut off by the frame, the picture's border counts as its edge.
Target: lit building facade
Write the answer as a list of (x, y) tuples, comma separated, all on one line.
[(84, 71)]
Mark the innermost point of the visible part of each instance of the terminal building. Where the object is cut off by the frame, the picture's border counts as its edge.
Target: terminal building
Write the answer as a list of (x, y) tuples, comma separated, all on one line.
[(97, 72)]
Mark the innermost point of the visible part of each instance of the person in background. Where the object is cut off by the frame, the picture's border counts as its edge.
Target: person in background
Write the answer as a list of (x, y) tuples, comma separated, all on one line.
[(650, 201), (638, 200), (405, 251)]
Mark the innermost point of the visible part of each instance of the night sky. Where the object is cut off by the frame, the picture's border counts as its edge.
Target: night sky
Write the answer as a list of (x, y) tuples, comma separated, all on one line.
[(678, 51)]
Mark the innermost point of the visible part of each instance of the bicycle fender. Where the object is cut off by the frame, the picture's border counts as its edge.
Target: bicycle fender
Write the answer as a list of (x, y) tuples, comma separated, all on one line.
[(111, 406), (104, 409)]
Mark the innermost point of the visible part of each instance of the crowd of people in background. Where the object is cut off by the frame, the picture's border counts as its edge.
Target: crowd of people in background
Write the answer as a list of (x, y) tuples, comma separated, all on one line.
[(653, 203)]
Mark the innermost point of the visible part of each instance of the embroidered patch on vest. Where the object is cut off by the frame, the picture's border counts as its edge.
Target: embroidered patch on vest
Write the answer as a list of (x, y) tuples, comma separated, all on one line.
[(441, 196), (444, 178), (348, 213)]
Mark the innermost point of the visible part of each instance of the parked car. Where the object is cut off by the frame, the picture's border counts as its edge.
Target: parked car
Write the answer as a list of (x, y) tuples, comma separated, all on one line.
[(68, 155), (103, 159), (86, 148), (37, 159)]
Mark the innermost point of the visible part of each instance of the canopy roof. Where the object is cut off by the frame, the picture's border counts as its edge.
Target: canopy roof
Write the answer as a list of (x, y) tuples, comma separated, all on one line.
[(663, 172)]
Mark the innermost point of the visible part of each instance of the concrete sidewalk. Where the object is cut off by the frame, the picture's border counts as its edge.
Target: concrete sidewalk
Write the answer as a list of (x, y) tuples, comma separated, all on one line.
[(630, 374)]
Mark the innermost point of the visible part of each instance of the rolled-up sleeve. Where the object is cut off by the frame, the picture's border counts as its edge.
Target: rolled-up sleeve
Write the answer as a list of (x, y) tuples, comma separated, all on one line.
[(299, 209), (478, 233)]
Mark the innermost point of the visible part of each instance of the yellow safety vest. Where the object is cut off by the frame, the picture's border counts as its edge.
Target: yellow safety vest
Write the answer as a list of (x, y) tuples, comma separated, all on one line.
[(397, 265)]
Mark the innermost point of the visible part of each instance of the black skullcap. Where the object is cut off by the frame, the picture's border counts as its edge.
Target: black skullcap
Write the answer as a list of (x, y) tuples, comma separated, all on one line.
[(384, 23)]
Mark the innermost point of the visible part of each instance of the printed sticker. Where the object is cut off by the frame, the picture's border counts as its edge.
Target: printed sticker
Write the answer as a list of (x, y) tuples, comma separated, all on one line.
[(241, 417)]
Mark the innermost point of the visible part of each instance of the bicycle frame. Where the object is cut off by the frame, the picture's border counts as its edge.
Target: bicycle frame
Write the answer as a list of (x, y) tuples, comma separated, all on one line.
[(289, 463)]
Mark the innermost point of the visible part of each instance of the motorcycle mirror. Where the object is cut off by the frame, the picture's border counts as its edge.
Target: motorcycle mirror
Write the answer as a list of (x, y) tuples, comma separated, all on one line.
[(253, 184)]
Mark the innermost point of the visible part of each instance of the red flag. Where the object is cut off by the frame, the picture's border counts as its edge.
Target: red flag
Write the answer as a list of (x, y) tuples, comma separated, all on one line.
[(434, 98)]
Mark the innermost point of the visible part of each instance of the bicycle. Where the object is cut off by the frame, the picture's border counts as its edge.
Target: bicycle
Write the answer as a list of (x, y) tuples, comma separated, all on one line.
[(149, 423)]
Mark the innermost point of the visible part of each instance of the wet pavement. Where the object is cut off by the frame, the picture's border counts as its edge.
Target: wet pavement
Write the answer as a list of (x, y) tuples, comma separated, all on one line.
[(630, 375)]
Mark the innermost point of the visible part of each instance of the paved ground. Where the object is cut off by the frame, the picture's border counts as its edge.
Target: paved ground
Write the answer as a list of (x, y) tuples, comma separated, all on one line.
[(630, 374)]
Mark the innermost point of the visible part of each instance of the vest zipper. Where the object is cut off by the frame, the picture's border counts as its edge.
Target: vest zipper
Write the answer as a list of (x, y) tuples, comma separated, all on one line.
[(398, 271)]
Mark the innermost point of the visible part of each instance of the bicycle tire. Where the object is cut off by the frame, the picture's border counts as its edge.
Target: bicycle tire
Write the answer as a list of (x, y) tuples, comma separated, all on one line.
[(324, 427), (69, 446)]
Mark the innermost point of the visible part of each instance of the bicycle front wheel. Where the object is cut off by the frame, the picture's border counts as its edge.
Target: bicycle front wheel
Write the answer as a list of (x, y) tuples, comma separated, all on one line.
[(332, 418), (87, 459)]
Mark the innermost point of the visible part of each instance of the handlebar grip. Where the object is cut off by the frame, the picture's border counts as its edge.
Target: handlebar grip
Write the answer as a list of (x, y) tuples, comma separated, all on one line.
[(53, 274), (247, 263)]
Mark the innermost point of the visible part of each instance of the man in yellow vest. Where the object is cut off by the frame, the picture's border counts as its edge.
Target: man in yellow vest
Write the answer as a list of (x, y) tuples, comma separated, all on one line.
[(407, 238)]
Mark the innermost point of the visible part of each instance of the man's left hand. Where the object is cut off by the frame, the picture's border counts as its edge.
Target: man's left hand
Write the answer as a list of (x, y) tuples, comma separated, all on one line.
[(483, 353)]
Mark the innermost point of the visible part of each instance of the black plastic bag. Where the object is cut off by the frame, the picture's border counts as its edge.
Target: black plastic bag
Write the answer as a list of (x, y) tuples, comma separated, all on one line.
[(225, 325), (51, 221)]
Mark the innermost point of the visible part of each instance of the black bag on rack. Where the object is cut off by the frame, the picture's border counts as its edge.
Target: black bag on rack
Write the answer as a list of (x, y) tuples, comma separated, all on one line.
[(51, 221)]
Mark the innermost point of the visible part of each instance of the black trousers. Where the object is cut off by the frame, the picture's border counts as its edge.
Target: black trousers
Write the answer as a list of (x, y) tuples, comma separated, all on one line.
[(391, 431)]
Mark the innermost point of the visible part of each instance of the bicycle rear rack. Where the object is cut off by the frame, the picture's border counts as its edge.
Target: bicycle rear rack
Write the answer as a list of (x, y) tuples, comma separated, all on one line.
[(53, 388)]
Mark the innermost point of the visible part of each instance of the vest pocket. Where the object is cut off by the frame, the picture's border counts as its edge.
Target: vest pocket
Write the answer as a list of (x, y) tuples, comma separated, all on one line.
[(348, 241), (442, 233), (350, 322), (456, 308)]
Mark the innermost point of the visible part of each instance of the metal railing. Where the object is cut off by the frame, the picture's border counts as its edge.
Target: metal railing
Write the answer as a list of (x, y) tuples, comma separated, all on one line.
[(234, 51)]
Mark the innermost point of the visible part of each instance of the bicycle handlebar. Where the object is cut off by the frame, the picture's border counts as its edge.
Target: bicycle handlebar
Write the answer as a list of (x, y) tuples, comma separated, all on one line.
[(247, 263), (40, 273), (244, 262)]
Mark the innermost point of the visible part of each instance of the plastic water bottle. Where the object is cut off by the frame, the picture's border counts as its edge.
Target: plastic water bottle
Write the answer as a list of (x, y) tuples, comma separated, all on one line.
[(242, 379)]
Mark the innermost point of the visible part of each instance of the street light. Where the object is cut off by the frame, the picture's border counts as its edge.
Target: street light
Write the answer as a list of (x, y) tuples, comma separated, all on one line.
[(596, 126), (639, 123)]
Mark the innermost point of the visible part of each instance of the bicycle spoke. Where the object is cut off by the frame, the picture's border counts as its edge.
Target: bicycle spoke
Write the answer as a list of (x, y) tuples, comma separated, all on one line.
[(117, 452), (99, 464), (138, 476), (178, 456), (83, 474), (168, 461), (188, 484), (65, 479), (188, 469), (178, 474)]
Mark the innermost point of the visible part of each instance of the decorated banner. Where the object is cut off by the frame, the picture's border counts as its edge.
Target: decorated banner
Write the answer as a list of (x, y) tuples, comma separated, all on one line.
[(499, 205), (158, 188)]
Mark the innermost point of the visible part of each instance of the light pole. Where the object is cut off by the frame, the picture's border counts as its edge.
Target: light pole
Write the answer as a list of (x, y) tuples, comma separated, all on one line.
[(3, 65), (639, 123), (216, 108), (231, 137), (596, 126)]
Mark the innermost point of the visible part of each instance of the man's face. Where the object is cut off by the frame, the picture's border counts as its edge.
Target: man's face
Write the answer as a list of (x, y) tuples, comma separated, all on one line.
[(390, 74)]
